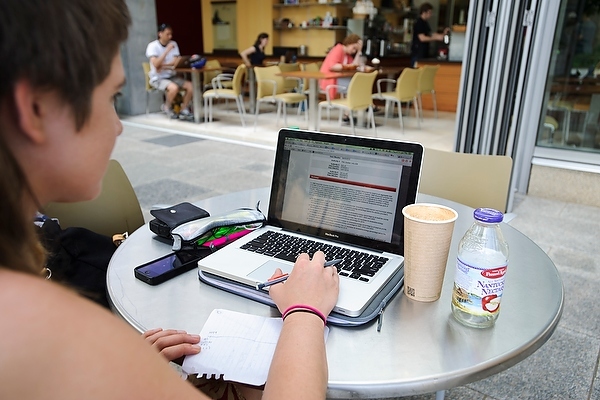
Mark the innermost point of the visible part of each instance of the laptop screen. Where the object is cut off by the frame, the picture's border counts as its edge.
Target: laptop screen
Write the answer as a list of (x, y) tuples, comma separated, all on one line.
[(344, 188)]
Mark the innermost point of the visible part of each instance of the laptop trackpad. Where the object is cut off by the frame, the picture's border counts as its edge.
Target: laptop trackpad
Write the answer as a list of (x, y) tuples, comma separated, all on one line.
[(265, 271)]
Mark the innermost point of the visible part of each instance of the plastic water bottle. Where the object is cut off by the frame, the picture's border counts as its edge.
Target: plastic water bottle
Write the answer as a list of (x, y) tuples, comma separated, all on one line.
[(480, 269)]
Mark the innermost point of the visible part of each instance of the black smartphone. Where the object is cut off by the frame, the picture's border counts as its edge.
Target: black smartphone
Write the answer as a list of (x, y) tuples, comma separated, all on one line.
[(167, 267)]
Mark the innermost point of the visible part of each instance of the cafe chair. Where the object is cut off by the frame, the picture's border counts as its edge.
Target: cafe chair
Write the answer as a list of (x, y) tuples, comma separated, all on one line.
[(565, 107), (427, 86), (407, 91), (550, 128), (270, 88), (149, 88), (475, 180), (358, 98), (290, 84), (310, 67), (115, 211), (208, 76), (313, 67), (221, 91)]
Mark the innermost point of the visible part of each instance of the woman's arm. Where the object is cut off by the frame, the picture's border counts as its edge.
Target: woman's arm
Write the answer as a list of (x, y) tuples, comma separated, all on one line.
[(334, 61), (81, 347), (299, 367), (356, 59), (244, 54)]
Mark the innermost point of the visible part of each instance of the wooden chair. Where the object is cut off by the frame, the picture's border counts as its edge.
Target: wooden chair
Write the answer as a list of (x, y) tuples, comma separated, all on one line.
[(427, 86), (116, 210), (271, 89), (220, 91), (475, 180), (407, 89), (358, 98)]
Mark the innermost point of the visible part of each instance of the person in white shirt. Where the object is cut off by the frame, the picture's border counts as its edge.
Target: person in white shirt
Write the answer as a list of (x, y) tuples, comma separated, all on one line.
[(164, 56)]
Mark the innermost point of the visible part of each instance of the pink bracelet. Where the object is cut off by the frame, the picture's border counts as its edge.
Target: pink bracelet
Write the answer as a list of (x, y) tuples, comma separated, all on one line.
[(304, 307)]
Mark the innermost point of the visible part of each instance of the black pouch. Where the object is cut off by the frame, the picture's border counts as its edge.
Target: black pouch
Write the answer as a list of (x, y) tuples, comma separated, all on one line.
[(168, 218), (79, 258)]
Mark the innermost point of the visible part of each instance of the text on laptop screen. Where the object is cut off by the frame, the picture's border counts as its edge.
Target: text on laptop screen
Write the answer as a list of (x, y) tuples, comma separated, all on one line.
[(351, 192)]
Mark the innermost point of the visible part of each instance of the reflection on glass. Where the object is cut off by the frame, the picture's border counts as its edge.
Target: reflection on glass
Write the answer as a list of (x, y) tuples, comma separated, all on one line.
[(573, 87)]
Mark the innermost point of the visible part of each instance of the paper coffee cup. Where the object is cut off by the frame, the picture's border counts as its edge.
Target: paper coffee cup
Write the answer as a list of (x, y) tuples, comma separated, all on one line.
[(427, 235)]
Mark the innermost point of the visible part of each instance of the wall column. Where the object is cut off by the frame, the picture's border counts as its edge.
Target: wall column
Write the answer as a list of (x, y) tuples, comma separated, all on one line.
[(133, 53)]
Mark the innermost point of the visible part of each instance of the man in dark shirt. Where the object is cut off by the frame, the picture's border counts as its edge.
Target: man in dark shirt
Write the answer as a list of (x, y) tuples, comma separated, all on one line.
[(422, 35)]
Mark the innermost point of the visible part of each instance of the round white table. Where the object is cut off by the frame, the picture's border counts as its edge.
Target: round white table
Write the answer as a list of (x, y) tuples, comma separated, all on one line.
[(421, 348)]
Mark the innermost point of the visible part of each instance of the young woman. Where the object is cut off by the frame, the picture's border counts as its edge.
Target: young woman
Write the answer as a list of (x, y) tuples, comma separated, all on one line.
[(60, 72), (255, 55)]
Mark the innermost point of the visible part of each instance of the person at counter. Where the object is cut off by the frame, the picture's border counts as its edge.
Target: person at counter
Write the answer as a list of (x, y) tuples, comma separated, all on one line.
[(254, 55), (422, 35)]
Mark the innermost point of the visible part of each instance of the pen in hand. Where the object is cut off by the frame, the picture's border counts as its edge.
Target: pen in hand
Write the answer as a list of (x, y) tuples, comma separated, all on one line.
[(283, 277)]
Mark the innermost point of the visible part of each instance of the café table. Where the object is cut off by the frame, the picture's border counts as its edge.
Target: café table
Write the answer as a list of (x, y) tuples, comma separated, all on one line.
[(197, 85), (421, 348), (313, 89)]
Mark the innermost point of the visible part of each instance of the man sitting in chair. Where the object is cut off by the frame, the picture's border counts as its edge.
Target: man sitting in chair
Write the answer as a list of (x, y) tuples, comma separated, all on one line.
[(164, 57)]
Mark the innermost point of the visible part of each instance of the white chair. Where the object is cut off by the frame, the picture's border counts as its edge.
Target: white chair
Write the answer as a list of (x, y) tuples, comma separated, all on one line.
[(358, 98), (407, 89), (271, 89), (427, 86), (220, 92)]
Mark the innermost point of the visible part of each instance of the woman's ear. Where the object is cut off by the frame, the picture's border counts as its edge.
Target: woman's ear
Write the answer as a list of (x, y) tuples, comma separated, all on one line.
[(30, 106)]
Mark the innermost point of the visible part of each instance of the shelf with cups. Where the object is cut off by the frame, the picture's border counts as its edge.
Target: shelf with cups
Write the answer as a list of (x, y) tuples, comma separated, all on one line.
[(303, 28), (297, 3), (301, 24)]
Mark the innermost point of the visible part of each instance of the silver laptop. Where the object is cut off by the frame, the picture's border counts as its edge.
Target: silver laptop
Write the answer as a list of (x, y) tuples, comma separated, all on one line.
[(341, 194)]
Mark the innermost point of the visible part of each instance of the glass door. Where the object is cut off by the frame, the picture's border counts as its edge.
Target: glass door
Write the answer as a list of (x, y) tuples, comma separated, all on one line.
[(570, 117)]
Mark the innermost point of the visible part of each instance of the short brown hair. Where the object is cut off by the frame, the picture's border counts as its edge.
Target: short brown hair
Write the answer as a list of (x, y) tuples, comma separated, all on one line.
[(425, 7), (62, 46), (351, 39), (66, 46)]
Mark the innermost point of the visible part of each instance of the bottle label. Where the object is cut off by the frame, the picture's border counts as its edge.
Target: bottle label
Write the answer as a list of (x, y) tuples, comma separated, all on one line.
[(478, 291)]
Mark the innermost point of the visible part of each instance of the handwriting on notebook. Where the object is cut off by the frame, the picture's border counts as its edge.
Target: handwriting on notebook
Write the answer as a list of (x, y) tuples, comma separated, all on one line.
[(237, 346)]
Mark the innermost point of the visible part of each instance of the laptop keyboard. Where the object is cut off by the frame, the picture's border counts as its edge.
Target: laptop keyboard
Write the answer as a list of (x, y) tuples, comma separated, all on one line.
[(354, 265)]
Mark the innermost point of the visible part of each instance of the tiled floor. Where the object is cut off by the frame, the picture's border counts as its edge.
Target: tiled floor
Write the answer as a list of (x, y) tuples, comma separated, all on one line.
[(171, 161)]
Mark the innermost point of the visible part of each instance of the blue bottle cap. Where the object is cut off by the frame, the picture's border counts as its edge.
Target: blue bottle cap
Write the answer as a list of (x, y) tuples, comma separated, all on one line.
[(488, 215)]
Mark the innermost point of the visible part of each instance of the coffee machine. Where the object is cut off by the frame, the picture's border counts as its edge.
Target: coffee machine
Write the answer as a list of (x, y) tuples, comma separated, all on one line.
[(375, 41)]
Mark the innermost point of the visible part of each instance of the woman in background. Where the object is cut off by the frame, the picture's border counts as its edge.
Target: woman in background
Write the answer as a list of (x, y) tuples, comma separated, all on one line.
[(341, 56), (254, 56)]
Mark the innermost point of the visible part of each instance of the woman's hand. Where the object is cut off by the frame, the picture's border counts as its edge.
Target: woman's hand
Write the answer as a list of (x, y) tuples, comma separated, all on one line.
[(309, 283), (171, 343)]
